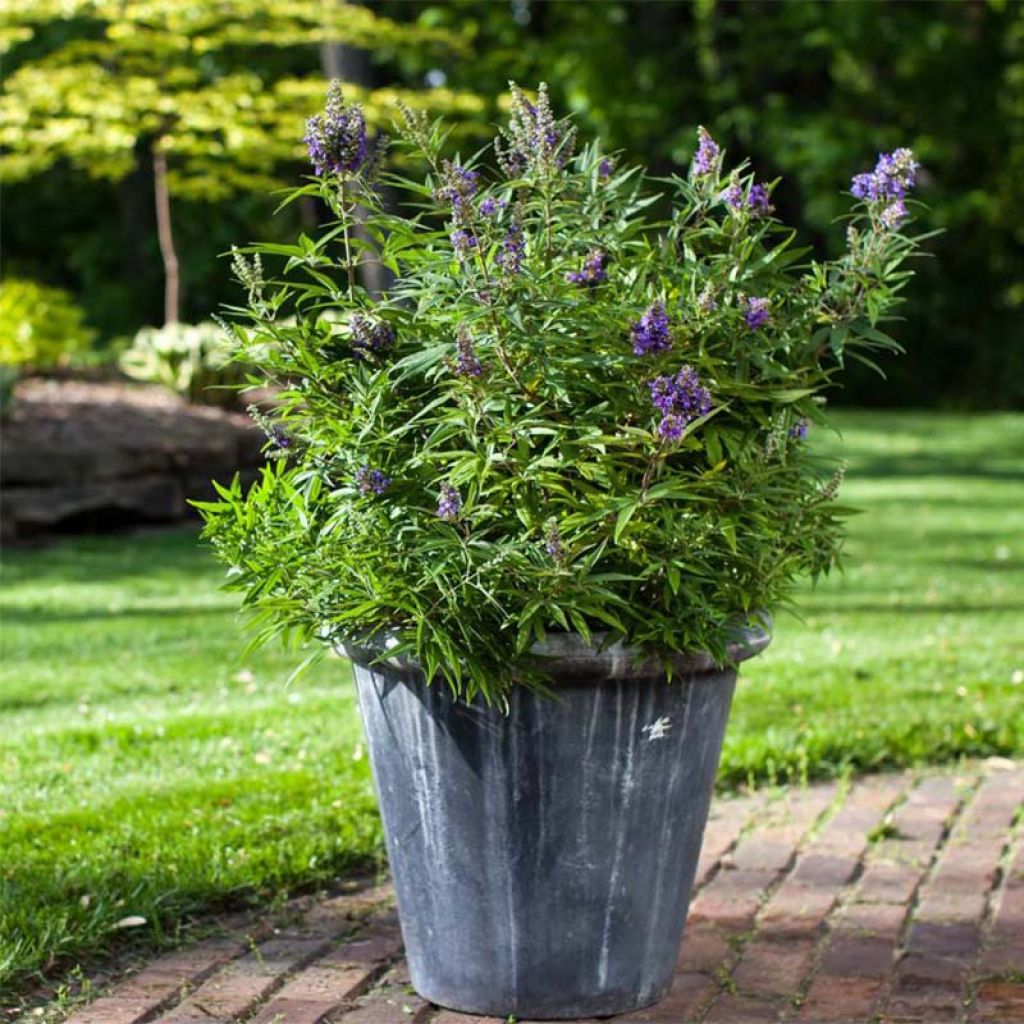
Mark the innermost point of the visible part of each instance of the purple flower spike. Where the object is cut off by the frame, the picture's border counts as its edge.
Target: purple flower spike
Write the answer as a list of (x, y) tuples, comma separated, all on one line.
[(457, 188), (512, 249), (680, 399), (651, 332), (553, 541), (707, 154), (593, 272), (756, 311), (371, 481), (369, 336), (467, 364), (798, 432), (336, 139), (463, 242), (449, 503)]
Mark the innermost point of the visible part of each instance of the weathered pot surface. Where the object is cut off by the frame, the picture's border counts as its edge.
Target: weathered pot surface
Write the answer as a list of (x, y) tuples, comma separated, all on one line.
[(543, 858)]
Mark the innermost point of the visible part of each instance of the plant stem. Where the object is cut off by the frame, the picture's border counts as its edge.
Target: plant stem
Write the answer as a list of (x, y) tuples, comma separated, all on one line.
[(348, 244), (172, 299)]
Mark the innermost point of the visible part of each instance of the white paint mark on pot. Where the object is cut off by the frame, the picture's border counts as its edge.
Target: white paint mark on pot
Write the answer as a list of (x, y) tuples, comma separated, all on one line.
[(658, 729)]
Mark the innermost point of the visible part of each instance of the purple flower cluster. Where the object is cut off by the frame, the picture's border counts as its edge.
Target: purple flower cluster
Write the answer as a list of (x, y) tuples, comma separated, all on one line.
[(894, 175), (279, 438), (449, 503), (553, 540), (370, 336), (605, 167), (756, 201), (490, 206), (593, 272), (458, 186), (707, 154), (756, 311), (651, 331), (798, 432), (463, 241), (336, 139), (894, 214), (512, 249), (680, 399), (371, 481), (466, 363)]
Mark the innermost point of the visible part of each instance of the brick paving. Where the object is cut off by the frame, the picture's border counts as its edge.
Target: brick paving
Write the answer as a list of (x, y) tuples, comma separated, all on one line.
[(894, 899)]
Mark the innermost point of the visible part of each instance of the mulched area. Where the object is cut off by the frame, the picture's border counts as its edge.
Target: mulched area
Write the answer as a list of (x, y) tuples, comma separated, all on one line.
[(79, 455), (898, 898)]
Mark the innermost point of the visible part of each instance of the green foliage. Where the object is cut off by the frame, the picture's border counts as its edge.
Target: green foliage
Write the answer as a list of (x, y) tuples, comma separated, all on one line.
[(179, 77), (194, 360), (39, 326), (468, 513)]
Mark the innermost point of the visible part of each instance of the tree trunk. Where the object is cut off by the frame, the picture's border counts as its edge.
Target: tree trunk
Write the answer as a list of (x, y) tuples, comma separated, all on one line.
[(172, 300)]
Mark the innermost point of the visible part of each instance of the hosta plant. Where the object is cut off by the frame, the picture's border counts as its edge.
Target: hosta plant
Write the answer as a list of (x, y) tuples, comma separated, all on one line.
[(582, 404), (194, 360)]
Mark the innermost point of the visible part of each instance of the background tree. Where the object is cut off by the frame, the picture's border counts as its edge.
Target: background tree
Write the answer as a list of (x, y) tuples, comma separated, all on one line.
[(206, 94)]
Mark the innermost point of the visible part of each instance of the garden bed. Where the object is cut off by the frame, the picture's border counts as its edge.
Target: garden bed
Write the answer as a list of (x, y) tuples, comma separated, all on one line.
[(92, 456)]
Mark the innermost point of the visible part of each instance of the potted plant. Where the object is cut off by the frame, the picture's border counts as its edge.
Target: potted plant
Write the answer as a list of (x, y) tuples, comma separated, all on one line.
[(543, 491)]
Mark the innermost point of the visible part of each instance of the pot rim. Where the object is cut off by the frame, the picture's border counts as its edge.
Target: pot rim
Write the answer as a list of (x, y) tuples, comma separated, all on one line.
[(568, 657)]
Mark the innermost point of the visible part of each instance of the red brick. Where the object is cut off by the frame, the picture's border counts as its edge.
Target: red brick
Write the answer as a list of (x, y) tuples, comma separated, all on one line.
[(851, 956), (223, 997), (773, 968), (166, 979), (839, 999), (737, 1009), (796, 910), (882, 920), (704, 949), (373, 947), (293, 1011), (956, 941), (888, 882), (825, 869), (999, 1002), (1005, 945), (731, 912)]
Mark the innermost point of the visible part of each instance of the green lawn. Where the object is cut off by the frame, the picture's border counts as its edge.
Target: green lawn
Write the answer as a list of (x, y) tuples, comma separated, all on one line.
[(146, 771)]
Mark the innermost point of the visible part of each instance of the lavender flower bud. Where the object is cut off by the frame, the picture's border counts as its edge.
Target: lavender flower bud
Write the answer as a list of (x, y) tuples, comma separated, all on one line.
[(756, 311), (369, 336), (449, 503), (466, 363), (371, 481), (651, 332), (706, 158), (593, 272)]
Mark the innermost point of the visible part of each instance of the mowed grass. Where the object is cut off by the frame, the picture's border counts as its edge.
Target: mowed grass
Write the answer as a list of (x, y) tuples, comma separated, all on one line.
[(145, 771)]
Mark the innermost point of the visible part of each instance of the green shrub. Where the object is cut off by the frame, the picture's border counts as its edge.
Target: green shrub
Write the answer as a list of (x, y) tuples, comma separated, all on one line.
[(564, 414), (40, 326), (193, 360)]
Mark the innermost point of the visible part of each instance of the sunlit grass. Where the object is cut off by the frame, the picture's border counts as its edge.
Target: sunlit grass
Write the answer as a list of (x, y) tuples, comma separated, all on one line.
[(145, 771)]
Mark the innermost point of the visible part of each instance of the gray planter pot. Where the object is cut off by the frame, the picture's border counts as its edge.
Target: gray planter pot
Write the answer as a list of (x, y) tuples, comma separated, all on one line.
[(543, 859)]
